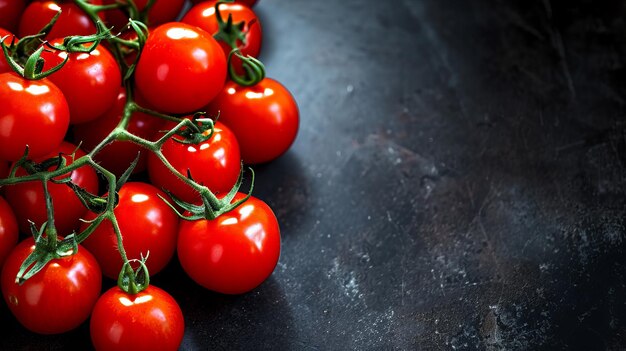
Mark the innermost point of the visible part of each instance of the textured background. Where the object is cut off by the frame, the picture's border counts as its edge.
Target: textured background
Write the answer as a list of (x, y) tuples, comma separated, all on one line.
[(458, 183)]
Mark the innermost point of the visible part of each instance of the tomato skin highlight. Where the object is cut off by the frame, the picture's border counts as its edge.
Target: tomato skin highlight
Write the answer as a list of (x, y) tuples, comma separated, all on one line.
[(8, 230), (181, 69), (269, 107), (34, 113), (58, 298), (215, 163), (29, 203), (148, 225), (233, 253), (150, 320)]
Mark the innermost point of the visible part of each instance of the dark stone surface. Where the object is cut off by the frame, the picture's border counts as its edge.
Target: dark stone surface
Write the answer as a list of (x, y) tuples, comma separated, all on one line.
[(458, 183)]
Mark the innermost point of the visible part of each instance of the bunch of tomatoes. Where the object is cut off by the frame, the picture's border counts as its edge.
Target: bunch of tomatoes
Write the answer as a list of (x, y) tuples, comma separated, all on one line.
[(123, 139)]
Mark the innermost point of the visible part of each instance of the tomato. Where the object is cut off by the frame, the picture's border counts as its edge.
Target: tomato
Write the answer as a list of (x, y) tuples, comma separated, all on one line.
[(248, 3), (4, 169), (117, 156), (89, 81), (8, 230), (161, 12), (264, 118), (10, 12), (181, 68), (73, 21), (28, 201), (233, 253), (33, 113), (58, 298), (147, 224), (203, 16), (4, 65), (149, 320), (215, 163)]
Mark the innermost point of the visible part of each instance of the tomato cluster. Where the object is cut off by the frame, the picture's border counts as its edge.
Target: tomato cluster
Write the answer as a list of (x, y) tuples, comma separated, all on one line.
[(122, 140)]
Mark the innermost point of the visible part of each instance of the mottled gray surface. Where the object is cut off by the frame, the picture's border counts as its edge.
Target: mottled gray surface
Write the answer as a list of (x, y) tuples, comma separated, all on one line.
[(458, 182)]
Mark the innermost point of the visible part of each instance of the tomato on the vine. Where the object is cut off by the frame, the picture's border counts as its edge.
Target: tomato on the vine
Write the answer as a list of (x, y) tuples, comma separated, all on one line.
[(248, 3), (148, 320), (10, 13), (72, 21), (233, 253), (148, 226), (33, 113), (161, 12), (9, 37), (29, 203), (58, 298), (90, 81), (118, 155), (264, 118), (8, 230), (181, 68), (215, 163)]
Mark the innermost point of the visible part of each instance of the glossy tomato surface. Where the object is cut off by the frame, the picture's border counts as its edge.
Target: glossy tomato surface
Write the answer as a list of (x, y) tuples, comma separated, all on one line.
[(248, 3), (161, 12), (264, 118), (148, 226), (215, 163), (233, 253), (9, 37), (90, 81), (8, 230), (34, 113), (72, 21), (58, 298), (150, 320), (181, 69), (29, 203), (10, 13)]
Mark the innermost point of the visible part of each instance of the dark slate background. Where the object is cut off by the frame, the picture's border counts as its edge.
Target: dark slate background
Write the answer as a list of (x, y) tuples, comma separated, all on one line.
[(458, 183)]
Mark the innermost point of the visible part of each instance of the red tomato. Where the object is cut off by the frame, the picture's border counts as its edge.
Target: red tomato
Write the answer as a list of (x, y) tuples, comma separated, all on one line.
[(117, 156), (149, 320), (203, 16), (161, 12), (248, 3), (73, 21), (4, 169), (8, 230), (28, 201), (148, 225), (89, 81), (33, 113), (214, 163), (4, 66), (264, 118), (181, 68), (234, 253), (58, 298), (10, 13)]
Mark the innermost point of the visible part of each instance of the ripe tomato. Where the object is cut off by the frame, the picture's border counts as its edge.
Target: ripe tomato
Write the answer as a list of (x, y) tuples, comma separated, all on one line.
[(58, 298), (10, 13), (203, 16), (161, 12), (264, 118), (148, 225), (248, 3), (8, 230), (73, 21), (89, 81), (181, 68), (233, 253), (33, 113), (117, 156), (4, 169), (4, 66), (28, 201), (149, 320), (215, 163)]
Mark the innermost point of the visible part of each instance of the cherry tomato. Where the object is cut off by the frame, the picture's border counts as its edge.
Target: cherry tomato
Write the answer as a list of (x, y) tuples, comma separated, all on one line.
[(147, 224), (8, 230), (9, 37), (264, 118), (73, 21), (58, 298), (149, 320), (89, 81), (233, 253), (4, 169), (161, 12), (248, 3), (215, 163), (203, 16), (10, 13), (33, 113), (181, 68), (28, 201), (117, 156)]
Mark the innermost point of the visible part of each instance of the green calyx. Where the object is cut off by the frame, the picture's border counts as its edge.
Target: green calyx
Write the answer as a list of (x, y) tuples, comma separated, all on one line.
[(134, 281)]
